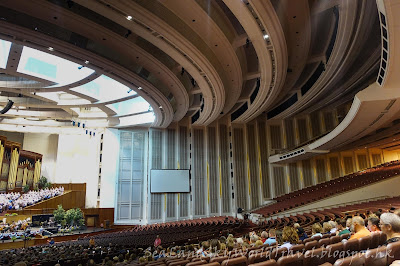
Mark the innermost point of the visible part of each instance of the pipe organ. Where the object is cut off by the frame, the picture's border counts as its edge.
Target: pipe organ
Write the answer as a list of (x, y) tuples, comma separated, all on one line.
[(18, 167)]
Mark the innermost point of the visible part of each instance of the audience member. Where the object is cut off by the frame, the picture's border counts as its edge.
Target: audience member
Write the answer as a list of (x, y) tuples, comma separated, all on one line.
[(316, 230), (289, 237), (333, 224), (157, 241), (390, 225), (373, 224), (272, 237), (358, 227), (341, 227), (264, 236), (300, 231), (326, 228)]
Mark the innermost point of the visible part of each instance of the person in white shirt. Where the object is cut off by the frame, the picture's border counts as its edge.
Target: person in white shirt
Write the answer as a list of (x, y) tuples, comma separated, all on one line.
[(316, 230)]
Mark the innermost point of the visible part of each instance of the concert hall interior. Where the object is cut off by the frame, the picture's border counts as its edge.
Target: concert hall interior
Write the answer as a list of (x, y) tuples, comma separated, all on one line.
[(213, 124)]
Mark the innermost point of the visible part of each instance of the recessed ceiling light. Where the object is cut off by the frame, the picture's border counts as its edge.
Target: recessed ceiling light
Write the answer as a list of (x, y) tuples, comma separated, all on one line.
[(86, 62), (129, 17), (266, 36), (160, 107), (51, 49)]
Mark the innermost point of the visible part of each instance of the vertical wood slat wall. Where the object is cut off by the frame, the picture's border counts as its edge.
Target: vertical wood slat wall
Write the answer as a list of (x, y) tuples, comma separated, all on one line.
[(229, 167)]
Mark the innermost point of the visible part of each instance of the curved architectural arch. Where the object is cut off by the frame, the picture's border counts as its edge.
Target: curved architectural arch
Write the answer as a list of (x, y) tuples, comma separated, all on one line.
[(351, 35), (196, 18), (160, 34), (272, 58), (162, 117), (86, 27)]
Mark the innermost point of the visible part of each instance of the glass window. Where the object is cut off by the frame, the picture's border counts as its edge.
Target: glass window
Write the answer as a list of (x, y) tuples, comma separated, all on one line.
[(136, 119), (4, 52), (105, 89), (132, 106), (50, 67)]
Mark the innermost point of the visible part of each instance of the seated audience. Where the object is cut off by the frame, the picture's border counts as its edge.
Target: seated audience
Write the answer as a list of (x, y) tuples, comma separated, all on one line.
[(333, 224), (359, 228), (16, 201), (326, 228), (373, 224), (348, 223), (264, 236), (316, 230), (253, 239), (272, 237), (390, 225), (289, 237), (300, 231), (341, 227)]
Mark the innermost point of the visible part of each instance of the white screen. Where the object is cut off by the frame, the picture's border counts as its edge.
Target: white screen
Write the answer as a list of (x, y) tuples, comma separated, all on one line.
[(169, 181)]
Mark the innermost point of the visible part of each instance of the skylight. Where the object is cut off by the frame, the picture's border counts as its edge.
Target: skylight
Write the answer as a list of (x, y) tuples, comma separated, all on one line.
[(50, 67), (136, 119), (132, 106), (4, 52), (105, 89)]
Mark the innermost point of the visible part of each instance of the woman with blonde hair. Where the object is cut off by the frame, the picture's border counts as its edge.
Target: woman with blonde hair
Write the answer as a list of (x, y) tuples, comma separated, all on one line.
[(326, 228), (289, 237), (316, 230)]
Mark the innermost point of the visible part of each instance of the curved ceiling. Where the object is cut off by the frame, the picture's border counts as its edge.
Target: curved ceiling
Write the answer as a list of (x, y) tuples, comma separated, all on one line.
[(162, 61)]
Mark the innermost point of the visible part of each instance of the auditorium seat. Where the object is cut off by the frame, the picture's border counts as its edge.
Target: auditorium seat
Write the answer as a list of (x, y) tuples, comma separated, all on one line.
[(264, 256), (311, 245), (297, 248), (278, 252), (335, 239), (179, 263), (264, 263), (308, 240), (393, 252), (364, 243), (212, 264), (351, 245), (291, 260), (314, 257), (355, 260), (376, 257), (219, 259), (382, 238), (240, 261), (207, 259), (317, 237), (199, 262), (375, 239), (345, 236), (324, 242), (335, 252)]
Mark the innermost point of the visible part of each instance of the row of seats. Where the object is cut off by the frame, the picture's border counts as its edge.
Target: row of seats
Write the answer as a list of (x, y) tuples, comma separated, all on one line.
[(307, 219), (190, 231), (301, 254), (329, 188)]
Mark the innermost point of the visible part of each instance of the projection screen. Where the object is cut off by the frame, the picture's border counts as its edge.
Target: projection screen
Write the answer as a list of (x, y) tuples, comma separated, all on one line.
[(169, 181)]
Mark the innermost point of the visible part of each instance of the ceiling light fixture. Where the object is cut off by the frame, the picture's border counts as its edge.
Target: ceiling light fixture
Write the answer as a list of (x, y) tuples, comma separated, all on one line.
[(86, 62), (50, 49), (266, 36), (129, 17)]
